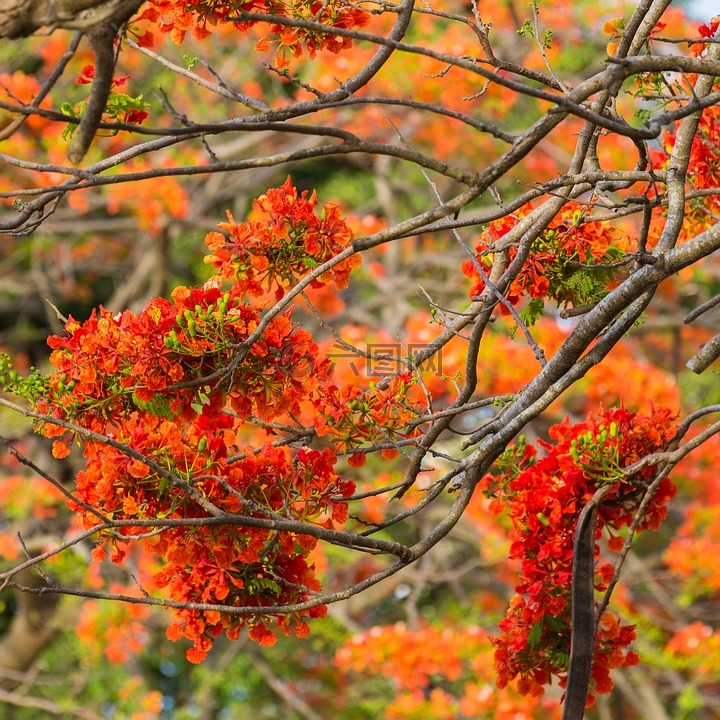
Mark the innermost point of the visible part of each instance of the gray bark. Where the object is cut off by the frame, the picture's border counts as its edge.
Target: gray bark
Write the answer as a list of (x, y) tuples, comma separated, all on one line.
[(20, 18)]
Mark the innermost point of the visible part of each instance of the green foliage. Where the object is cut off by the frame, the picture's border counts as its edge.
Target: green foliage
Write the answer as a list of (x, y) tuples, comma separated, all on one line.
[(29, 388), (526, 29), (699, 389), (120, 107), (532, 312), (158, 406), (688, 703)]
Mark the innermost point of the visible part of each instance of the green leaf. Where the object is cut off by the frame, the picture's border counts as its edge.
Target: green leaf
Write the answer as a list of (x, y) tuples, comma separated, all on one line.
[(526, 29), (158, 406), (533, 311), (255, 586), (535, 635), (75, 111)]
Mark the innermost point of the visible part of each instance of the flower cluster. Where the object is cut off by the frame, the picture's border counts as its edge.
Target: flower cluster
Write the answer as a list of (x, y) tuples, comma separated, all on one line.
[(116, 630), (426, 653), (704, 150), (567, 263), (283, 242), (114, 365), (167, 392), (697, 645), (352, 417), (438, 674), (177, 17), (544, 498), (119, 377)]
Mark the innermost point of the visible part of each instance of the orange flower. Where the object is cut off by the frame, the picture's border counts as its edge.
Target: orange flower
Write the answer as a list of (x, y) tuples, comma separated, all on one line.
[(60, 449)]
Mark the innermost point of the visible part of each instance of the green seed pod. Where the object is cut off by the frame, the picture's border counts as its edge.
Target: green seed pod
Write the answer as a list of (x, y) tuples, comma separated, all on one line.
[(179, 319), (202, 444), (192, 328), (173, 338), (613, 429), (603, 436), (543, 519)]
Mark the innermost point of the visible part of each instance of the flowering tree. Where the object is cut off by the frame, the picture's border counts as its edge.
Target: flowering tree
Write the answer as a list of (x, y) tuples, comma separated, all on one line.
[(226, 436)]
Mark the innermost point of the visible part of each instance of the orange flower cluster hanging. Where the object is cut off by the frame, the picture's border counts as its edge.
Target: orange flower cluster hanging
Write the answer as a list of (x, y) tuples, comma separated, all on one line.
[(174, 384), (544, 499)]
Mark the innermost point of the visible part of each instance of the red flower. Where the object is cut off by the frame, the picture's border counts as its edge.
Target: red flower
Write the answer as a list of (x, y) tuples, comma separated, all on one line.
[(544, 499)]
